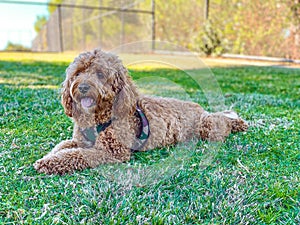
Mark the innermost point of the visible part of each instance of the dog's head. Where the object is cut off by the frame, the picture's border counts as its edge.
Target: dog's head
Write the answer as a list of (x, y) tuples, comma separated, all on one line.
[(98, 83)]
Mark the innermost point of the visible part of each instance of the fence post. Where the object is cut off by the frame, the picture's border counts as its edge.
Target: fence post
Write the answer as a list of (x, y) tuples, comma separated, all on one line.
[(153, 25), (206, 10), (60, 30), (122, 33), (100, 25)]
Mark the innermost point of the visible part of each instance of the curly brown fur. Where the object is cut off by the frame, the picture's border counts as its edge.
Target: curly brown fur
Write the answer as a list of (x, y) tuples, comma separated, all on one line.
[(97, 89)]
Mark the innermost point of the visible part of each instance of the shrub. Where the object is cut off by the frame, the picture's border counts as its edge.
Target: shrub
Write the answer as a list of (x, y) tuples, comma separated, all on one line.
[(210, 40)]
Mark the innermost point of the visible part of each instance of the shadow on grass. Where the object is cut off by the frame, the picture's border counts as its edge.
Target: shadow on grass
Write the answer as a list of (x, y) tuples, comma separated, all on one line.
[(18, 74), (238, 79)]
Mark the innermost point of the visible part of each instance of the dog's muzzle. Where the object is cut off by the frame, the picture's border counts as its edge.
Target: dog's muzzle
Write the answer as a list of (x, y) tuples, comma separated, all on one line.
[(83, 88)]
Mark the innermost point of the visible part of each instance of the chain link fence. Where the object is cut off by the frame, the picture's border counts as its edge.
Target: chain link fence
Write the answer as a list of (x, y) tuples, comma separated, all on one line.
[(259, 28), (79, 25)]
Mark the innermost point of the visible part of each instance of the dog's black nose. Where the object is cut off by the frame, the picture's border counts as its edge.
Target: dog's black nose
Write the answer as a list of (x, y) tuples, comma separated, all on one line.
[(83, 88)]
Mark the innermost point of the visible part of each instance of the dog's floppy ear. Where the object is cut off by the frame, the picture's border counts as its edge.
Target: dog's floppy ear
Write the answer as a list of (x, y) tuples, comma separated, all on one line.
[(66, 98), (126, 99)]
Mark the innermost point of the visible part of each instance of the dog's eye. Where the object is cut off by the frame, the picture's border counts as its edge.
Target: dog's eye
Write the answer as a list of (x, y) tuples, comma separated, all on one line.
[(100, 75)]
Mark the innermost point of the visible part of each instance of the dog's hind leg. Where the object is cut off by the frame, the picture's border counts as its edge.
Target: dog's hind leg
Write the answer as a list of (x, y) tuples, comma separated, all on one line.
[(217, 126)]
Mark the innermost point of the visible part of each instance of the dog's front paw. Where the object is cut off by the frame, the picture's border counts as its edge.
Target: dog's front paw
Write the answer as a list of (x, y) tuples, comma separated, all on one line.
[(64, 162), (48, 165)]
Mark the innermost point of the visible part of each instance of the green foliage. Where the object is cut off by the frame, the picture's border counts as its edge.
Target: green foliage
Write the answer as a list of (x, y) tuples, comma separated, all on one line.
[(252, 177), (295, 9), (252, 27), (178, 21), (248, 27), (52, 8), (39, 23), (210, 40), (16, 47)]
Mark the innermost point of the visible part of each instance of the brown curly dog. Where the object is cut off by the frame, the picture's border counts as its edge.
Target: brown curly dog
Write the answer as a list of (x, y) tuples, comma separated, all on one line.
[(111, 119)]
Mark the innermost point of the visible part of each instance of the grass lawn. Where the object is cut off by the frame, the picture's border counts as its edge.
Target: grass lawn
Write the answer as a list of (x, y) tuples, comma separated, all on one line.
[(252, 178)]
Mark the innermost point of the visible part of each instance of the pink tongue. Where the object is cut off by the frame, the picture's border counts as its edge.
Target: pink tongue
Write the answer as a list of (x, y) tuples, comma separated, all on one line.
[(87, 102)]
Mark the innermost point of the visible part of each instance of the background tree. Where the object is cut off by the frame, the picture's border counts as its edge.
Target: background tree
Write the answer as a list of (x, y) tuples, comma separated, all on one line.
[(16, 47), (52, 8), (294, 34), (39, 23)]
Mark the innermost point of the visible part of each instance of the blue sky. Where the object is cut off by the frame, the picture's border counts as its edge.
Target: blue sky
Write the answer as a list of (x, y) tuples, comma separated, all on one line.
[(17, 22)]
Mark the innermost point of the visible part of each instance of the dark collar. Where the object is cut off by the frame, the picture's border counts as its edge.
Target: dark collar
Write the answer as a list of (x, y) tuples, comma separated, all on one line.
[(143, 135), (91, 133)]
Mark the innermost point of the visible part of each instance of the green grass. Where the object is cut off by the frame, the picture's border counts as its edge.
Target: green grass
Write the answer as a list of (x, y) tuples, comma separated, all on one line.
[(252, 178)]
